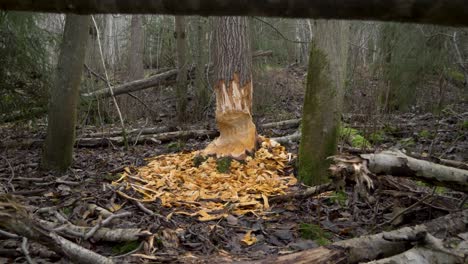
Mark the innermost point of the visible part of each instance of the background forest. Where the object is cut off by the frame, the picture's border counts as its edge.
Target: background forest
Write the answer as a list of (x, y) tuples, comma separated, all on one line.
[(392, 67), (136, 187)]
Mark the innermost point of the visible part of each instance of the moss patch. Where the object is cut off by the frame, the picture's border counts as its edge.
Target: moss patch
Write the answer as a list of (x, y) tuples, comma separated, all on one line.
[(223, 165), (316, 233)]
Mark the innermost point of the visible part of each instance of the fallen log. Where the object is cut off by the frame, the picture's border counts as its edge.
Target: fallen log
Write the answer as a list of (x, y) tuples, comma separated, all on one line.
[(152, 81), (396, 163), (132, 86), (372, 247), (448, 12), (15, 219), (156, 138)]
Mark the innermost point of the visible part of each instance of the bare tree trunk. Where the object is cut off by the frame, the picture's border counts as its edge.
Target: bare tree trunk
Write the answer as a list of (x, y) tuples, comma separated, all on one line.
[(323, 100), (443, 12), (201, 94), (135, 54), (233, 89), (58, 148), (181, 50)]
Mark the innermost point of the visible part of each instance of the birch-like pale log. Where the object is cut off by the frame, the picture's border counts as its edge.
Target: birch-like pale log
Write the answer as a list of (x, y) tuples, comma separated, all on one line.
[(371, 247), (397, 163)]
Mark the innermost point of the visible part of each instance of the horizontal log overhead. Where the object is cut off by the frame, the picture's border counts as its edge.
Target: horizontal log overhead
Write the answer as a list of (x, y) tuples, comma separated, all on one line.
[(442, 12)]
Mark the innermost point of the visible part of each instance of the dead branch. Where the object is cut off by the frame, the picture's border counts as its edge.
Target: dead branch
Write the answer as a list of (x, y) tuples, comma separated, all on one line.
[(15, 219), (158, 79), (303, 194), (371, 247)]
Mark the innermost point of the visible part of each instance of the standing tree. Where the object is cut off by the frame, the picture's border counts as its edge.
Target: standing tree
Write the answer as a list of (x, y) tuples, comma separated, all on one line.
[(201, 89), (58, 148), (323, 99), (181, 50), (135, 53), (233, 89)]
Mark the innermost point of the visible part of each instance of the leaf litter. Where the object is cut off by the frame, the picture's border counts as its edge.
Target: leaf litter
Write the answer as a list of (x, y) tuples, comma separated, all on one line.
[(203, 191)]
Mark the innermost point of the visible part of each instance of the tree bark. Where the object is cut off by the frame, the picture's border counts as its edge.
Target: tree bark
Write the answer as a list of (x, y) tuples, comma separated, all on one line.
[(398, 164), (58, 148), (201, 94), (233, 89), (323, 100), (448, 12), (135, 68), (168, 76), (181, 47), (135, 51)]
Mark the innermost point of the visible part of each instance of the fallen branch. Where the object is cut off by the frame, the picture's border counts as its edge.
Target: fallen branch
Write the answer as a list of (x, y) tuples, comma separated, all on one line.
[(152, 81), (371, 247), (311, 191), (397, 163), (15, 219), (156, 138)]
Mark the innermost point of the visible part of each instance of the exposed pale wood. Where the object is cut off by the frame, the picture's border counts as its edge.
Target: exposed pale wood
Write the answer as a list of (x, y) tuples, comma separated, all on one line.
[(444, 12), (234, 89)]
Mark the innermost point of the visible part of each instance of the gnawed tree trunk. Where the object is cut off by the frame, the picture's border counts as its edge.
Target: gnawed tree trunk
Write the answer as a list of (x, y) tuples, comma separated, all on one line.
[(233, 89), (181, 47), (371, 247), (323, 100), (58, 147)]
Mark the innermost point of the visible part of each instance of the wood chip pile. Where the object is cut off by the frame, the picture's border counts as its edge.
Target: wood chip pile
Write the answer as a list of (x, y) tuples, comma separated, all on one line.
[(203, 191)]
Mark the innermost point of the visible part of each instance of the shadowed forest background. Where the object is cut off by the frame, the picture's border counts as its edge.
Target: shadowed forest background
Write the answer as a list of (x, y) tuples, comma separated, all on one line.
[(403, 87)]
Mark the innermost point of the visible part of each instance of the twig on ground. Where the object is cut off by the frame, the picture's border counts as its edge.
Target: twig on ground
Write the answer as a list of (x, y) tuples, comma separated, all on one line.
[(303, 194), (8, 234), (24, 249), (405, 211), (12, 173), (103, 223)]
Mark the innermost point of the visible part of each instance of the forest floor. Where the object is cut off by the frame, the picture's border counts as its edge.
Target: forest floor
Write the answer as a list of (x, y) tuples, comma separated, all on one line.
[(87, 193), (83, 193)]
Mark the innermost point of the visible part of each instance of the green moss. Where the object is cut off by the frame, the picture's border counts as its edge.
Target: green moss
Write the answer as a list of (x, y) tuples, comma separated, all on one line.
[(198, 160), (456, 75), (125, 247), (339, 197), (424, 134), (316, 145), (176, 146), (67, 211), (315, 232), (407, 142), (223, 165), (352, 136), (377, 137), (465, 125)]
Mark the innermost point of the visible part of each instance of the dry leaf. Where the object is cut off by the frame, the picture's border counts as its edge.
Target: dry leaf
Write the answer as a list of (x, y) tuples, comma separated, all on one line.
[(249, 239)]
